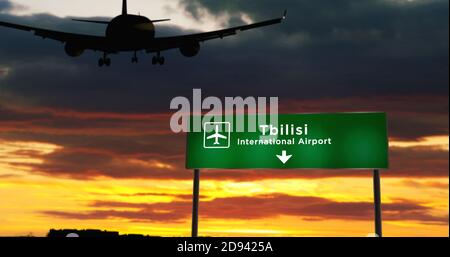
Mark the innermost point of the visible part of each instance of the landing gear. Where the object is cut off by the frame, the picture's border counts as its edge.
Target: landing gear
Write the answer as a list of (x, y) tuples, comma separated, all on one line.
[(104, 61), (158, 59), (134, 59)]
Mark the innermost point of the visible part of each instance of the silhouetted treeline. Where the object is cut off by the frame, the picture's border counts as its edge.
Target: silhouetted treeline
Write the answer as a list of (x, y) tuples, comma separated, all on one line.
[(89, 233)]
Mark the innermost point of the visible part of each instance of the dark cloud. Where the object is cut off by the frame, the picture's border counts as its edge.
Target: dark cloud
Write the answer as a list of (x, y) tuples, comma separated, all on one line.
[(49, 121), (85, 165), (328, 21), (355, 47), (5, 5), (427, 161), (325, 49), (410, 117), (328, 56), (262, 206)]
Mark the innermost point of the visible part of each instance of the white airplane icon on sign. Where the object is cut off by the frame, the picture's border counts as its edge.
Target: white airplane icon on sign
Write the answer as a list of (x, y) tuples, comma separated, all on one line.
[(218, 139), (217, 136)]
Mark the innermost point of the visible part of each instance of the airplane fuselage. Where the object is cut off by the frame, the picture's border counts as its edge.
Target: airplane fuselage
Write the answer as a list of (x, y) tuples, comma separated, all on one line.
[(129, 32)]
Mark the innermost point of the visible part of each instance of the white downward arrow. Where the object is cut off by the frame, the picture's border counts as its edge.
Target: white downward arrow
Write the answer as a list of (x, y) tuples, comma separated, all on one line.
[(283, 157)]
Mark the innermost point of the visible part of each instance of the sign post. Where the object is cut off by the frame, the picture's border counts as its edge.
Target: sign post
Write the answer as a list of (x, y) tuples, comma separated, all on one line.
[(377, 202), (195, 202), (291, 141)]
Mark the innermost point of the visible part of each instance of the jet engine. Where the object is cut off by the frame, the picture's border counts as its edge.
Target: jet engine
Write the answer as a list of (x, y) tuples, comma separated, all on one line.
[(190, 49), (73, 50)]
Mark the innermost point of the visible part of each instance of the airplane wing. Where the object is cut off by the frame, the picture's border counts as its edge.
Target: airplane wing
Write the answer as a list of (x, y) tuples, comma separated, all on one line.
[(88, 41), (165, 43), (221, 136), (212, 136), (216, 136), (99, 43)]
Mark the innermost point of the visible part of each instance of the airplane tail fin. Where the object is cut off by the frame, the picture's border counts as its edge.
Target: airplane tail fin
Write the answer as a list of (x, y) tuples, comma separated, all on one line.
[(124, 7)]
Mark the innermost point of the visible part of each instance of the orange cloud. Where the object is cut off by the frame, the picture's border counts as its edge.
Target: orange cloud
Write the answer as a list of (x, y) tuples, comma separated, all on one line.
[(256, 207), (150, 162)]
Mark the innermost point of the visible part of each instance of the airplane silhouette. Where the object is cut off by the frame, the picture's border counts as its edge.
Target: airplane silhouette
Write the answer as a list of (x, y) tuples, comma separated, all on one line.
[(216, 136), (132, 33)]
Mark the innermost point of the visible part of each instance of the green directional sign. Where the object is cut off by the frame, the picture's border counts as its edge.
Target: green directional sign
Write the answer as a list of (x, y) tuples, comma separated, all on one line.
[(328, 141)]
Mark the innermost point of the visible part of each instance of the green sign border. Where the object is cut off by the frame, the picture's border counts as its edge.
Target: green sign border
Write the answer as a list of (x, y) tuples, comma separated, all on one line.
[(347, 130)]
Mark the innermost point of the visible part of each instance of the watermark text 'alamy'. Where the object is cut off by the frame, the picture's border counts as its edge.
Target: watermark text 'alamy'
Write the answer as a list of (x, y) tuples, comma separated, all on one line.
[(212, 108)]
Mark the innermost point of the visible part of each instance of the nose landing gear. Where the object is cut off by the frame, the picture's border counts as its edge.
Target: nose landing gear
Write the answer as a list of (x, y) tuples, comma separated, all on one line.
[(104, 61), (134, 59), (158, 59)]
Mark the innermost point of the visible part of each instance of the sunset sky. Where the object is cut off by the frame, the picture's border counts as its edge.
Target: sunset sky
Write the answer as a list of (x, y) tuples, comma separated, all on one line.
[(84, 147)]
